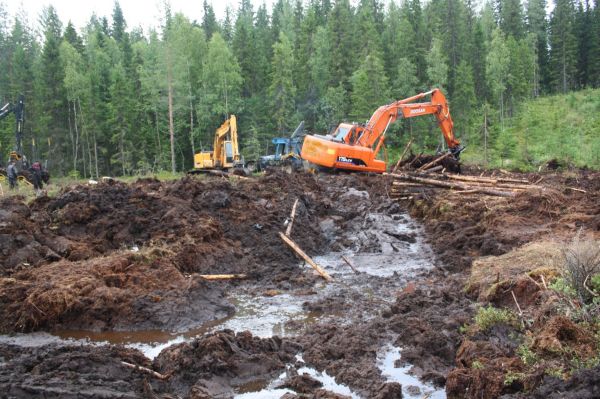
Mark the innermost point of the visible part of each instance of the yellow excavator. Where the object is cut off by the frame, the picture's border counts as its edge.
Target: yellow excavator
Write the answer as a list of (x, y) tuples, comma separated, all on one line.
[(225, 155)]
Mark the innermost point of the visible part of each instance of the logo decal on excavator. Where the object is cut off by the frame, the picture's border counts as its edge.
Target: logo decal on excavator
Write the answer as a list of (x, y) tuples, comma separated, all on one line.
[(417, 110), (345, 160)]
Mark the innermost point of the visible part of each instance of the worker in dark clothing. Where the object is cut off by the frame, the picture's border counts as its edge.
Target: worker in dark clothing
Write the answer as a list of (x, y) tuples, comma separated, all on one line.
[(11, 171), (36, 174)]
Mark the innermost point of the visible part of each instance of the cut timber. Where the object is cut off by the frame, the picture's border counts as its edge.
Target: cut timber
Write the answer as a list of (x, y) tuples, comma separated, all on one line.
[(350, 264), (492, 180), (222, 276), (450, 185), (288, 231), (434, 162), (434, 169), (304, 256), (146, 370)]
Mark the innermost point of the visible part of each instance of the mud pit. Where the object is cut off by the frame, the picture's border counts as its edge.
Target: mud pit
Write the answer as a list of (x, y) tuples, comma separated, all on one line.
[(120, 264)]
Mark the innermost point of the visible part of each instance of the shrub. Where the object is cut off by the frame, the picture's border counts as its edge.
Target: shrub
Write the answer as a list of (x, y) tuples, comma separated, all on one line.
[(581, 265), (489, 316)]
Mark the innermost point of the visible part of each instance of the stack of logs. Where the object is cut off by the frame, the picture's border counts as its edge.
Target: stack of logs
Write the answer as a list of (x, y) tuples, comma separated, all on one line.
[(406, 184)]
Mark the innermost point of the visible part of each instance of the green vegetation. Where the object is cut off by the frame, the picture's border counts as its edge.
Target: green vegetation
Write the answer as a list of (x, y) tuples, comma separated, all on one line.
[(477, 365), (488, 317), (528, 357), (565, 128), (108, 100), (511, 377)]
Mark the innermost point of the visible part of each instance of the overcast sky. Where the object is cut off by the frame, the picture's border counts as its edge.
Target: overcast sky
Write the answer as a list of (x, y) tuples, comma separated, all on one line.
[(137, 12)]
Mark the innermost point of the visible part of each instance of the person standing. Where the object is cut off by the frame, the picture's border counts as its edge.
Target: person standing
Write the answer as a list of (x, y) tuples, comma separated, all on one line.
[(36, 171), (11, 171)]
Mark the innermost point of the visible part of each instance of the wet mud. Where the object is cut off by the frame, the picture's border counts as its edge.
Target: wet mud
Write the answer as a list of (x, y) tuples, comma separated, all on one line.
[(115, 259)]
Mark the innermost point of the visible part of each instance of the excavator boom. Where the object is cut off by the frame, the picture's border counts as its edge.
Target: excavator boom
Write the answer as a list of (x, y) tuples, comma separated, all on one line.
[(225, 153), (18, 110), (355, 147)]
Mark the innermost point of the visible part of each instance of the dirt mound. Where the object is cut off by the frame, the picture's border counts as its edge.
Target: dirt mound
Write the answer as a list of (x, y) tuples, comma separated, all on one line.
[(219, 362), (139, 291), (71, 372), (583, 384), (560, 337), (348, 353), (493, 277)]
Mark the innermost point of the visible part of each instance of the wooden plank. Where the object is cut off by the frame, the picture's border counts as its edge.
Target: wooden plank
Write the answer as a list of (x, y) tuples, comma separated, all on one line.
[(146, 370), (304, 256), (288, 231), (222, 276)]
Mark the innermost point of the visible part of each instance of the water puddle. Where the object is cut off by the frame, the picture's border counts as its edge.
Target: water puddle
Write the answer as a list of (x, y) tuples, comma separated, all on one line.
[(412, 387), (271, 390), (263, 316)]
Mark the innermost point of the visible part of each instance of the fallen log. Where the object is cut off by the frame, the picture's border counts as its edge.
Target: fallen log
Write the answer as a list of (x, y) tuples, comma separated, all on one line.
[(434, 169), (146, 370), (288, 231), (304, 256), (434, 162), (222, 276), (485, 179)]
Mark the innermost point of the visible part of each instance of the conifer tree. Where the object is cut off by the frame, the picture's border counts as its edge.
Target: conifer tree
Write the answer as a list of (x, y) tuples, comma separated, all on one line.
[(563, 44), (282, 89)]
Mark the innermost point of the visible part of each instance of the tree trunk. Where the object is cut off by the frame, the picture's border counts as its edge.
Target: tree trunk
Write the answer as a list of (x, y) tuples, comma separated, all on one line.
[(76, 137), (171, 126), (191, 112), (96, 155)]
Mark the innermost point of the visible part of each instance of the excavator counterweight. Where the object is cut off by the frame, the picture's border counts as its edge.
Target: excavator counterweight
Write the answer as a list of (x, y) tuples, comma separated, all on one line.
[(355, 146)]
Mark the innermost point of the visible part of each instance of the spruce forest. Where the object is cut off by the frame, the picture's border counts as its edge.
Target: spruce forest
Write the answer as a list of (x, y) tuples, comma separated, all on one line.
[(105, 99)]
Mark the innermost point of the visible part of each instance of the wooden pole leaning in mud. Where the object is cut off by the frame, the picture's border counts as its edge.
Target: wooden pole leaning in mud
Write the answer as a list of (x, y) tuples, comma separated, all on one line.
[(304, 256), (146, 370), (519, 308), (288, 231), (403, 154), (350, 264)]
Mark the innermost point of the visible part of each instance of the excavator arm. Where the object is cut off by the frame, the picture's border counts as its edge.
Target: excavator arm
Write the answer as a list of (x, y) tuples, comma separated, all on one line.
[(380, 120), (225, 147), (18, 110)]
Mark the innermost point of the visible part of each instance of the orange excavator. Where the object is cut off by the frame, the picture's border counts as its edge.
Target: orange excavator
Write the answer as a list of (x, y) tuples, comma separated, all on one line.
[(356, 146)]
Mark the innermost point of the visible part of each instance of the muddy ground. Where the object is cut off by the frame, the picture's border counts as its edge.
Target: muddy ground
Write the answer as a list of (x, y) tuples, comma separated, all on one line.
[(129, 257)]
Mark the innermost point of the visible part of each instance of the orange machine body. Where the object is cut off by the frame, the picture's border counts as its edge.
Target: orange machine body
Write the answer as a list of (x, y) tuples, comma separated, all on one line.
[(356, 147)]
